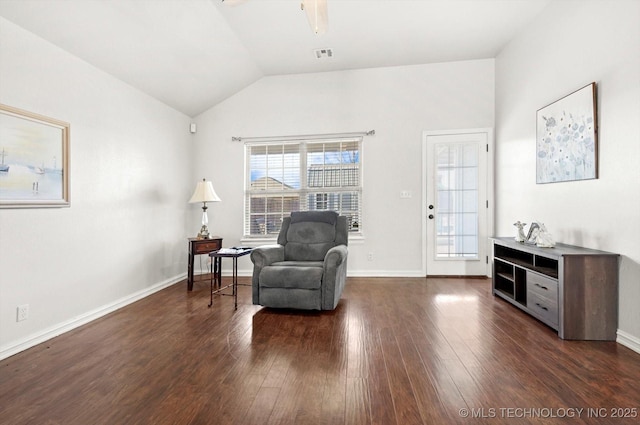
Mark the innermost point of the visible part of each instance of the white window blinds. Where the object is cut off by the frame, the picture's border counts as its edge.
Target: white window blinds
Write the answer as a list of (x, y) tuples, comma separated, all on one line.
[(301, 176)]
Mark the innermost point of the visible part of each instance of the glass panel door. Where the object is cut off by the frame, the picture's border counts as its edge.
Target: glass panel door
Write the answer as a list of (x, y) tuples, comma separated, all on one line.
[(456, 236), (457, 200)]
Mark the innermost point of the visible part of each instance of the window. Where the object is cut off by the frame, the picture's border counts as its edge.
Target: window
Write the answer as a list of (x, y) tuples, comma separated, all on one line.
[(457, 204), (301, 176)]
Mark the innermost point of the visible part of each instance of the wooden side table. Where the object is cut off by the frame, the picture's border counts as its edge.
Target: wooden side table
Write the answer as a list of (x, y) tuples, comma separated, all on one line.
[(200, 247)]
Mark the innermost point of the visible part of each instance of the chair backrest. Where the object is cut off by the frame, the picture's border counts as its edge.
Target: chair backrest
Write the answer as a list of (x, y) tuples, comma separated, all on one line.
[(308, 235)]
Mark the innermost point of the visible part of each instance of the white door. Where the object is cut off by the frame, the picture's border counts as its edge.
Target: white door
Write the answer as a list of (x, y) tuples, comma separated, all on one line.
[(456, 208)]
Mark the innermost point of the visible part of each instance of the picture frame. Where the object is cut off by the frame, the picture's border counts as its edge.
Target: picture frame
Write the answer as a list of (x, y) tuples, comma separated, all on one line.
[(567, 138), (34, 160)]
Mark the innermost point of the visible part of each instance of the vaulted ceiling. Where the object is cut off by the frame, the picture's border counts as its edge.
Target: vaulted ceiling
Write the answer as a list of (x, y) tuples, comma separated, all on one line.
[(192, 54)]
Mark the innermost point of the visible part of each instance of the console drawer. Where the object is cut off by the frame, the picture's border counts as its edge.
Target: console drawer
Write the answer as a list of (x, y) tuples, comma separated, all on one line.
[(543, 307), (543, 286)]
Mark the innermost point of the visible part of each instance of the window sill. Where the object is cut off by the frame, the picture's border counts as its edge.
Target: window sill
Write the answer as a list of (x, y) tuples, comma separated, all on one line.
[(356, 238), (261, 240)]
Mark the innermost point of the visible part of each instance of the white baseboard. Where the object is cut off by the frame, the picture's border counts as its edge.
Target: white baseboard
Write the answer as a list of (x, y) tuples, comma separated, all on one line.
[(350, 273), (385, 273), (60, 328), (628, 340)]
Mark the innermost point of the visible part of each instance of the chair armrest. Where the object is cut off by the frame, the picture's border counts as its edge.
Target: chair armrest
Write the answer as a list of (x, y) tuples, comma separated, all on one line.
[(334, 277), (262, 257), (335, 256), (266, 255)]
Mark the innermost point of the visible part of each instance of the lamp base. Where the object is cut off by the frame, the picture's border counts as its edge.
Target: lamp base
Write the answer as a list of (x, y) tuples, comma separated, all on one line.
[(204, 233)]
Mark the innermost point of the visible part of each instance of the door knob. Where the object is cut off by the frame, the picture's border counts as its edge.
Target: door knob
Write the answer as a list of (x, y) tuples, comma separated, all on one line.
[(430, 207), (430, 216)]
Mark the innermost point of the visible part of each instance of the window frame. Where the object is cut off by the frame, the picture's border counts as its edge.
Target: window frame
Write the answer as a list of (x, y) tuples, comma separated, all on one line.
[(305, 193)]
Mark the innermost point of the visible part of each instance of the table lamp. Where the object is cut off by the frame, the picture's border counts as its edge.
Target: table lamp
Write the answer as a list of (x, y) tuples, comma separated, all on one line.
[(204, 193)]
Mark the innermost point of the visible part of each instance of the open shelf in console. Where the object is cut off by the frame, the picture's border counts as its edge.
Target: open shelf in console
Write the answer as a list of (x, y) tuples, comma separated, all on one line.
[(510, 281), (505, 278), (520, 258), (547, 266), (538, 263)]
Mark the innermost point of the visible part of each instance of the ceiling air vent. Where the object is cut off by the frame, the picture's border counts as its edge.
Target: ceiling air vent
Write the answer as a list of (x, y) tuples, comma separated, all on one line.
[(323, 53)]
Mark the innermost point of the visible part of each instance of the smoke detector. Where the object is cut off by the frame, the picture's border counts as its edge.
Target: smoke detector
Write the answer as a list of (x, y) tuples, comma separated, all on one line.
[(325, 53)]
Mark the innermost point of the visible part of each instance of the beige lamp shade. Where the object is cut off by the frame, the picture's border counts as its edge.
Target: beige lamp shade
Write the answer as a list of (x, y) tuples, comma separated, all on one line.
[(204, 193)]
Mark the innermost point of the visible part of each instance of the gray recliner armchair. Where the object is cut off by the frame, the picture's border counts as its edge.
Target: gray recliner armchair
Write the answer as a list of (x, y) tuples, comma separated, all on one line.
[(307, 269)]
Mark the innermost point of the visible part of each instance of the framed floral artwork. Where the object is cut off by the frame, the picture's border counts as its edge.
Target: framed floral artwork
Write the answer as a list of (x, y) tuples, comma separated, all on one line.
[(567, 138)]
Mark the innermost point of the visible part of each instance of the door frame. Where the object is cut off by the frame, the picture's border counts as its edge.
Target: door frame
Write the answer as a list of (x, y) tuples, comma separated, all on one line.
[(490, 188)]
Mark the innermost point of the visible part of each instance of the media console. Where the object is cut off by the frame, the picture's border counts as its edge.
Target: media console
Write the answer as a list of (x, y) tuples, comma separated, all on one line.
[(573, 290)]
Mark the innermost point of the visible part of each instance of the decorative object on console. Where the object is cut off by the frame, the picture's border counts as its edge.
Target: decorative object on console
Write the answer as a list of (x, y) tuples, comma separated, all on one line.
[(567, 138), (544, 239), (204, 193), (520, 233), (532, 235), (539, 236)]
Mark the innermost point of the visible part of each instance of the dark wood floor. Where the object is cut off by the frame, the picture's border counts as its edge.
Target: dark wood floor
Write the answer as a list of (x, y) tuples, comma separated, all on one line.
[(395, 351)]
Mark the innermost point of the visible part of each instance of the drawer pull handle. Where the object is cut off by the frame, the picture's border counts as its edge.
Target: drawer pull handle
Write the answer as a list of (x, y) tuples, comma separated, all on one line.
[(542, 307), (540, 286)]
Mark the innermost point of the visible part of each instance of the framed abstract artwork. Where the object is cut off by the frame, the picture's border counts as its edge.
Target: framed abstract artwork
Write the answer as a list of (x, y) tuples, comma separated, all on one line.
[(567, 138), (34, 160)]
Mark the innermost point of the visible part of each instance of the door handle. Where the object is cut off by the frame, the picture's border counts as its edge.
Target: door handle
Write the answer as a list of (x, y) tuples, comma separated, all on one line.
[(430, 216)]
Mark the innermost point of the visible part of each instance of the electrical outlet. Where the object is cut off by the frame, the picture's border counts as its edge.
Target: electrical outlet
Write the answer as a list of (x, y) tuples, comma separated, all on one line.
[(370, 256), (22, 312)]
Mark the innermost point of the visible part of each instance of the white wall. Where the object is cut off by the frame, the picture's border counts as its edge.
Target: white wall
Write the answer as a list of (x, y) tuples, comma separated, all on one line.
[(399, 103), (570, 45), (125, 232)]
